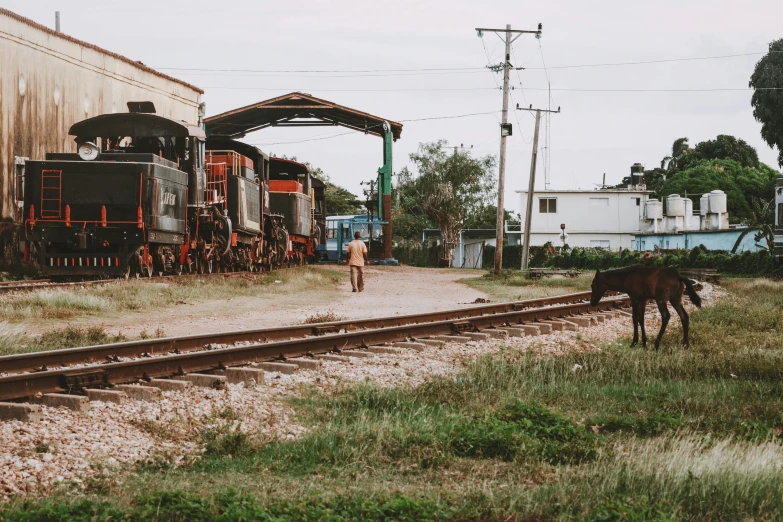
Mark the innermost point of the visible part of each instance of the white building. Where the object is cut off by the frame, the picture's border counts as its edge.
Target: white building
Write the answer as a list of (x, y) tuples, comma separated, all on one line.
[(606, 218), (614, 218)]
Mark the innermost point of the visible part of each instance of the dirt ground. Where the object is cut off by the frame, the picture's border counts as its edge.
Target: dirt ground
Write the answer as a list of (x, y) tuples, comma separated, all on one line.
[(388, 291)]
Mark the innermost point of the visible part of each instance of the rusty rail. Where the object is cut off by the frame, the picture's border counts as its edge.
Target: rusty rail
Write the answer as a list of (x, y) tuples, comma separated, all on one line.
[(23, 385)]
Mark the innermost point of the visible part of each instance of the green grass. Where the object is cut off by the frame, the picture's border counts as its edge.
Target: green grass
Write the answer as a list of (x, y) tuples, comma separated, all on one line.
[(512, 285), (132, 296), (632, 435), (13, 338)]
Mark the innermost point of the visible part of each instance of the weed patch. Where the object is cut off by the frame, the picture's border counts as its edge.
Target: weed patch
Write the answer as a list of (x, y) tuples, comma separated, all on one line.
[(14, 340), (231, 505), (325, 317)]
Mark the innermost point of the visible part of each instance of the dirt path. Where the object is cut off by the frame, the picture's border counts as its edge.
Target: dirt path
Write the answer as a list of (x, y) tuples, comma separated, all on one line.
[(388, 291)]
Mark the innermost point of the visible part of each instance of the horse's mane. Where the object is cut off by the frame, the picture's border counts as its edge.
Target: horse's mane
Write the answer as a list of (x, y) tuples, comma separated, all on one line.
[(622, 271)]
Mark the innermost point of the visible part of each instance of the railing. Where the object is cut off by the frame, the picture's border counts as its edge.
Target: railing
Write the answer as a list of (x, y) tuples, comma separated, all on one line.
[(217, 183), (51, 194)]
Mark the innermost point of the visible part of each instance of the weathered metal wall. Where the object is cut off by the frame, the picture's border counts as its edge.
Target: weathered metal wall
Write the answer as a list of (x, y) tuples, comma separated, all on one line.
[(48, 81)]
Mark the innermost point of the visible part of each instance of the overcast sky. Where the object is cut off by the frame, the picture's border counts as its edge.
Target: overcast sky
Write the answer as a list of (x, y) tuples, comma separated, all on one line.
[(596, 133)]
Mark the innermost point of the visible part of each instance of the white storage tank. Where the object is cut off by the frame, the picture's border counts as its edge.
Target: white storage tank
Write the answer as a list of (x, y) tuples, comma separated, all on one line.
[(717, 202), (704, 204), (688, 206), (654, 209), (675, 206)]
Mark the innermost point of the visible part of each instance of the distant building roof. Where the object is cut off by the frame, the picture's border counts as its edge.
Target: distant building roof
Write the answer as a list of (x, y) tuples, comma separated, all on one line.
[(64, 36)]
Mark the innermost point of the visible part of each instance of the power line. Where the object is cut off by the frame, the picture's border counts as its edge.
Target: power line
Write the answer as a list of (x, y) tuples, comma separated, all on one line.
[(319, 71), (299, 89), (328, 137), (647, 62), (445, 89), (454, 69), (719, 89), (295, 75)]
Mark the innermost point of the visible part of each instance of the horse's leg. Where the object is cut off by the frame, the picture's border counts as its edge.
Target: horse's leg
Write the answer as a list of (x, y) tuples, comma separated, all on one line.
[(684, 319), (642, 309), (665, 315), (635, 315)]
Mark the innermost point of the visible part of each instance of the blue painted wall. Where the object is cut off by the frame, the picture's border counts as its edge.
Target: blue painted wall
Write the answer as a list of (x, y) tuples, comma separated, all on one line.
[(722, 240)]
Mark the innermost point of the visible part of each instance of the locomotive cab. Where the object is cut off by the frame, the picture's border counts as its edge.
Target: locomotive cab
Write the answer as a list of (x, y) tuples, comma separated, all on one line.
[(300, 199), (119, 206)]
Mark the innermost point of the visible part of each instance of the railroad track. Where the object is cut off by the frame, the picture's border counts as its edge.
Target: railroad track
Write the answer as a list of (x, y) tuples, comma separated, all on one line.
[(35, 284), (75, 370)]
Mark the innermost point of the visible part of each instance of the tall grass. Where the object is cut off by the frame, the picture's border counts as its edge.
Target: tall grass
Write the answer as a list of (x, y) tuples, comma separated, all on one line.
[(514, 285), (14, 339), (146, 295)]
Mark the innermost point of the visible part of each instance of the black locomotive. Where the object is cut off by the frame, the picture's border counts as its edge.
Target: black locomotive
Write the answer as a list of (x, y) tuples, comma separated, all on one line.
[(149, 195)]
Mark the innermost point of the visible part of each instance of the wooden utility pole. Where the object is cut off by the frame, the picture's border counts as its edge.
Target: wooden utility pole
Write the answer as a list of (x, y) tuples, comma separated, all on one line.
[(505, 130), (531, 185)]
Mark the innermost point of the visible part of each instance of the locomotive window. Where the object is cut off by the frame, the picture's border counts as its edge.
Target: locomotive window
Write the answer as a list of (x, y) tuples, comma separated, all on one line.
[(331, 233)]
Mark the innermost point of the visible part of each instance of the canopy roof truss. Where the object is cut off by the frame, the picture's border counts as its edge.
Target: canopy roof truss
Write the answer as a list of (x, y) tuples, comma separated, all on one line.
[(296, 109)]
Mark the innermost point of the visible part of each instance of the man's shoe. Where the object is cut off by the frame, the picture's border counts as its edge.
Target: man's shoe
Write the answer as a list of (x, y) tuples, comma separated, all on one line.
[(355, 290)]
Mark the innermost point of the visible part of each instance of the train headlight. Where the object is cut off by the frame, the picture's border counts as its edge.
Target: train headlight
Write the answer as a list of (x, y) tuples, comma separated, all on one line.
[(88, 151)]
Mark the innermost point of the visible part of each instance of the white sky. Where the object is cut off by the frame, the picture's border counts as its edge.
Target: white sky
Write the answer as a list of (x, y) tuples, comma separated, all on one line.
[(597, 132)]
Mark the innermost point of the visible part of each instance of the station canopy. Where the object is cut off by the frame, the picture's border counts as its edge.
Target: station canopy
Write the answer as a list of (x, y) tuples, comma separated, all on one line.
[(296, 109)]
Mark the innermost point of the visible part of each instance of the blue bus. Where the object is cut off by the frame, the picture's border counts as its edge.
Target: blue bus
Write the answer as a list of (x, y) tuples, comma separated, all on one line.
[(340, 231)]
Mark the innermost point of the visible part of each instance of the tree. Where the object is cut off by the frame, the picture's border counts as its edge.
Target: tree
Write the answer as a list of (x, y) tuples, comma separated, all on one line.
[(761, 222), (451, 185), (723, 147), (767, 99), (741, 184), (679, 150), (486, 216), (408, 214)]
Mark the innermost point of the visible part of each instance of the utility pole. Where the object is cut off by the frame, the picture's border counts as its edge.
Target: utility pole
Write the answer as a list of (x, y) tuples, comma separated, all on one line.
[(505, 131), (531, 185)]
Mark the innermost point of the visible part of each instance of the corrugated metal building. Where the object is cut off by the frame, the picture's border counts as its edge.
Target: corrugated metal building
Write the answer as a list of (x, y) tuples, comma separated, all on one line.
[(49, 81)]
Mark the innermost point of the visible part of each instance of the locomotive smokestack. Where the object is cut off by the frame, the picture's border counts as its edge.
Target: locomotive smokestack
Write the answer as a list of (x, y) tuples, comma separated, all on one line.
[(308, 183)]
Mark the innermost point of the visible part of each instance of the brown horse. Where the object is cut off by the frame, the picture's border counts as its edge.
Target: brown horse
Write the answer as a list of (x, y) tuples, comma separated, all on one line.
[(642, 283)]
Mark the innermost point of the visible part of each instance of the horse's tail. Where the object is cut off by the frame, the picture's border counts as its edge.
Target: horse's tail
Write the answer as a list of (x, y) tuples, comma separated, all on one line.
[(695, 299)]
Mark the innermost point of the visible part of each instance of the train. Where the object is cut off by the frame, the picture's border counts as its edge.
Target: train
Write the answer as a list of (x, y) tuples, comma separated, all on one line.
[(778, 243), (147, 195)]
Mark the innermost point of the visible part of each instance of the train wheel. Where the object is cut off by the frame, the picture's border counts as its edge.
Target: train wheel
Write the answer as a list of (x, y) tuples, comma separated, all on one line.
[(147, 271)]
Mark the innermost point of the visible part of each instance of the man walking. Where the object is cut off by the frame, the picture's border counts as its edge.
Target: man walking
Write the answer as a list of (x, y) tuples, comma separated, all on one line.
[(357, 256)]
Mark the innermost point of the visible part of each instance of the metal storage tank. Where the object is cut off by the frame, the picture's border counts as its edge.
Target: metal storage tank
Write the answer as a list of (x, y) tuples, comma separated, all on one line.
[(654, 209), (675, 206), (704, 204), (717, 202)]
